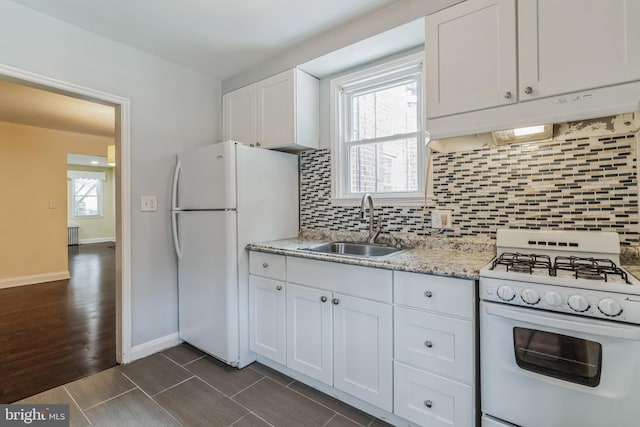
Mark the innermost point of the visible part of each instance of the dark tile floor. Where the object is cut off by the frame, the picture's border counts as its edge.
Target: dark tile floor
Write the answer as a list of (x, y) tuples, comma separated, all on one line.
[(183, 387)]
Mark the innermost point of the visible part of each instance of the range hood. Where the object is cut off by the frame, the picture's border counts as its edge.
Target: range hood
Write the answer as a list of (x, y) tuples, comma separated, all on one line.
[(590, 104)]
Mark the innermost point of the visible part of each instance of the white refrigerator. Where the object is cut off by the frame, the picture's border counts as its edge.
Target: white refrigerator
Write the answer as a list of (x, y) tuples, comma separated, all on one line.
[(225, 196)]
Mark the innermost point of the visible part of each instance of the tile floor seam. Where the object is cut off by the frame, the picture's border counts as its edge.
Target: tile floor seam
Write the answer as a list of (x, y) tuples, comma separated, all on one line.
[(250, 412), (246, 415), (213, 387), (331, 409), (194, 360), (154, 401), (329, 420), (64, 387), (111, 398), (175, 385), (251, 385)]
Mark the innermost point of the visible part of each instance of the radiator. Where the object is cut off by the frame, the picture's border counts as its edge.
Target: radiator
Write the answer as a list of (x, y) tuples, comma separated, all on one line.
[(72, 236)]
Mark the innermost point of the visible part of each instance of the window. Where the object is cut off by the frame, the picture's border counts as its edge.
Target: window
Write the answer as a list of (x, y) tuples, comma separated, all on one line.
[(378, 133), (85, 193)]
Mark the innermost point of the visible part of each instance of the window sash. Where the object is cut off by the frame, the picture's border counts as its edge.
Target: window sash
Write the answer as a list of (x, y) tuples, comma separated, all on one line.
[(370, 81), (87, 194)]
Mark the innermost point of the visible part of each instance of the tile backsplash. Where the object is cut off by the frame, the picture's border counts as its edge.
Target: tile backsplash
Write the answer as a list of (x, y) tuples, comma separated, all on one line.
[(579, 184)]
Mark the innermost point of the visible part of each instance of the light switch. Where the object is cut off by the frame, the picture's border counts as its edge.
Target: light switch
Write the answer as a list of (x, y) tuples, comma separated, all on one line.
[(52, 204), (149, 204)]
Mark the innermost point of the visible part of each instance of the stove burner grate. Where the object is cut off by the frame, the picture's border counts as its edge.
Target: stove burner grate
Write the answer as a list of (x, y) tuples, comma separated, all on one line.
[(524, 263), (589, 268)]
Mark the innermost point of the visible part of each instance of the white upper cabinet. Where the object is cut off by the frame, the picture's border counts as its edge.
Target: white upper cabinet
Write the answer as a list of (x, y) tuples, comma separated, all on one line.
[(283, 112), (571, 45), (240, 115), (476, 59), (471, 57)]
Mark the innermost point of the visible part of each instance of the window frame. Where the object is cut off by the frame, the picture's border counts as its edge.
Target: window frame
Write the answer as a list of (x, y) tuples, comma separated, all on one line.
[(72, 176), (370, 79)]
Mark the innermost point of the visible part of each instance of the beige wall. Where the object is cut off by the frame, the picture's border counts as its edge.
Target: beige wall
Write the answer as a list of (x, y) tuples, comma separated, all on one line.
[(33, 173), (97, 229)]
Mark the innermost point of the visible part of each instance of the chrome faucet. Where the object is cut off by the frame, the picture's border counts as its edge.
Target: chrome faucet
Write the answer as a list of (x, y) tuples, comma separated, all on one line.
[(373, 233)]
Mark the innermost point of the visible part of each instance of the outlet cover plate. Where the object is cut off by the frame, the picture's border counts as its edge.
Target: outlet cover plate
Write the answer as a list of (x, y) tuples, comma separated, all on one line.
[(148, 203), (441, 218)]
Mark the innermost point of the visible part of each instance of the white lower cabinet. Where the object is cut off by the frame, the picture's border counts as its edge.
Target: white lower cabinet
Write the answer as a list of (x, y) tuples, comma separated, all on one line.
[(309, 332), (266, 317), (402, 342), (431, 400), (363, 349)]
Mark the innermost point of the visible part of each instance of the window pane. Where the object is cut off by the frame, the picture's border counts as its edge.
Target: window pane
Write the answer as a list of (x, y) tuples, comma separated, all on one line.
[(85, 193), (390, 111), (384, 167)]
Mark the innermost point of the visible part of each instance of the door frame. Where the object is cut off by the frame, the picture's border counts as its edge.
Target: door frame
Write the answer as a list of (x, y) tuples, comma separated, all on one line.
[(123, 192)]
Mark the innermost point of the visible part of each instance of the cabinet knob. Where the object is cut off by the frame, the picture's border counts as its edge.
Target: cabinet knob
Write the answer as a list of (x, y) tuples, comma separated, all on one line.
[(265, 265), (507, 95), (428, 403), (323, 298), (279, 287), (428, 344), (336, 301), (528, 90), (257, 144), (428, 294)]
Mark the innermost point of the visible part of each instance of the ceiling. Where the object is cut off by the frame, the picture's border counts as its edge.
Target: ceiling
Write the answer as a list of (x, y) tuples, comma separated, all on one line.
[(36, 107), (218, 38)]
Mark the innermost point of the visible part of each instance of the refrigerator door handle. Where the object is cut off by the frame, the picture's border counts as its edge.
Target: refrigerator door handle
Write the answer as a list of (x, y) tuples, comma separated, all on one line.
[(176, 239), (174, 189)]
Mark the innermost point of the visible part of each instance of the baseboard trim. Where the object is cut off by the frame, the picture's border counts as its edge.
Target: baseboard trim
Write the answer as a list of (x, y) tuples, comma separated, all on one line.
[(34, 279), (150, 347), (97, 240)]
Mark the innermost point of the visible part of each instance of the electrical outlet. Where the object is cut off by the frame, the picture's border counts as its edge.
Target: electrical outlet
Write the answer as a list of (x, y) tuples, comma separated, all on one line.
[(148, 203), (441, 218)]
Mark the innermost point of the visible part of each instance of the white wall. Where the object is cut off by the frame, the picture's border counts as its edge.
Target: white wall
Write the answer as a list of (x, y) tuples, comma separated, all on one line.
[(172, 108), (339, 37)]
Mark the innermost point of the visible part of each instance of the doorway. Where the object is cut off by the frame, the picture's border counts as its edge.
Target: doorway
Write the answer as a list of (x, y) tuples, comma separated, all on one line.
[(120, 251)]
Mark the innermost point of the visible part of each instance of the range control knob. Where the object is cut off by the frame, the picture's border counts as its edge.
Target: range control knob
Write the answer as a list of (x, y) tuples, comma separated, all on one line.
[(506, 293), (609, 307), (530, 296), (578, 303), (553, 298)]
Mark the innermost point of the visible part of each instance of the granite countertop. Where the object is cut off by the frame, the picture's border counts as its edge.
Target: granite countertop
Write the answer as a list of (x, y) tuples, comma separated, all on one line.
[(453, 257)]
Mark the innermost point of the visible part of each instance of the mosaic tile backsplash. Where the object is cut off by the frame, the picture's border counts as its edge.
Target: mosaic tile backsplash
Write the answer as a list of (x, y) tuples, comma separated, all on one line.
[(580, 184)]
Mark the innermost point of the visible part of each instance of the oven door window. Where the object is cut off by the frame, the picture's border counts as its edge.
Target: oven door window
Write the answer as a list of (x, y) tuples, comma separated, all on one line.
[(560, 356)]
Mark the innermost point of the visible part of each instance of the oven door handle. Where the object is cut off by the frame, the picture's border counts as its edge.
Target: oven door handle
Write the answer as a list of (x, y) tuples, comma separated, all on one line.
[(553, 320)]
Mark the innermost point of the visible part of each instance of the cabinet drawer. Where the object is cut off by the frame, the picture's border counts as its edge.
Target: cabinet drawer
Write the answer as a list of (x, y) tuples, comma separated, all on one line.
[(267, 265), (430, 400), (365, 282), (440, 344), (435, 293)]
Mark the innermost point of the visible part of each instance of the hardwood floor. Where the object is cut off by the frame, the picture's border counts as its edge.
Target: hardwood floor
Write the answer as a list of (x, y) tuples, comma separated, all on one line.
[(53, 333)]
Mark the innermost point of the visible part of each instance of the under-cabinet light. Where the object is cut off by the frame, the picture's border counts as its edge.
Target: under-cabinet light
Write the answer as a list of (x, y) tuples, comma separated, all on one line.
[(529, 130)]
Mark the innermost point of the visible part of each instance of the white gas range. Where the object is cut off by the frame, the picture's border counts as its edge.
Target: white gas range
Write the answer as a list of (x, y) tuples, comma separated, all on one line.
[(559, 331)]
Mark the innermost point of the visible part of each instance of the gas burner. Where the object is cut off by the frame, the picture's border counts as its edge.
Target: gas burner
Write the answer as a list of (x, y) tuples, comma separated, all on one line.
[(524, 263), (589, 268)]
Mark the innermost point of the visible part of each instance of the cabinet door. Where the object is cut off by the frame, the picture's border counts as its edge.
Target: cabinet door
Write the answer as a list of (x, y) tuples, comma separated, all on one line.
[(276, 110), (363, 347), (267, 318), (309, 332), (571, 45), (240, 119), (471, 57)]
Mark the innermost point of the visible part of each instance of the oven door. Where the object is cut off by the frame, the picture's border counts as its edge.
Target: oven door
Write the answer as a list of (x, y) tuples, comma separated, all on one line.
[(542, 369)]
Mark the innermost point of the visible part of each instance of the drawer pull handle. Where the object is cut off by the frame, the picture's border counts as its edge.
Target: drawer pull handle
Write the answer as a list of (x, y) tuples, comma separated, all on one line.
[(428, 294), (265, 265), (428, 403), (323, 298), (279, 287), (428, 344), (336, 301)]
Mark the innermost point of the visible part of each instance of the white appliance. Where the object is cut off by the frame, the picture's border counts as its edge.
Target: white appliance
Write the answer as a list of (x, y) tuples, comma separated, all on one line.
[(559, 332), (225, 196)]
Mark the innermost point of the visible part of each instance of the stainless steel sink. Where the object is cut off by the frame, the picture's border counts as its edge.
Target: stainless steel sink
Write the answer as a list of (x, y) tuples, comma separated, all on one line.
[(355, 249)]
